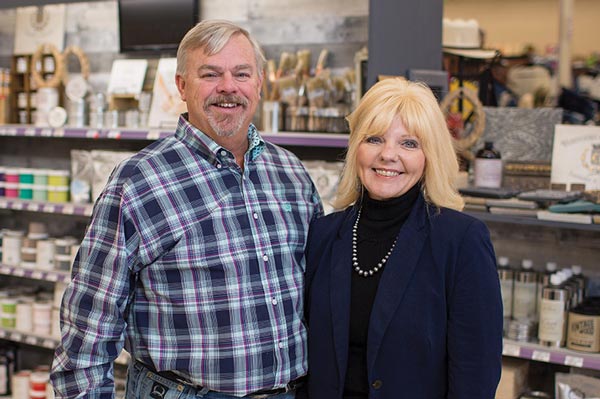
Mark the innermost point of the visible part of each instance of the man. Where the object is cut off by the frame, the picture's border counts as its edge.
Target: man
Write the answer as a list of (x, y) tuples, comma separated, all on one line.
[(194, 257)]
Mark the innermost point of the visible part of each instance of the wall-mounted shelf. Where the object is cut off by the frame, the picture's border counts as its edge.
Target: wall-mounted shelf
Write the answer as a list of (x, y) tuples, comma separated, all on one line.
[(531, 221), (563, 356), (334, 140), (35, 274), (66, 208), (46, 342)]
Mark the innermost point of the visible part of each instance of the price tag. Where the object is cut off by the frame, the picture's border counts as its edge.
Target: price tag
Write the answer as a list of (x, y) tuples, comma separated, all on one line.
[(48, 208), (2, 333), (575, 361), (37, 275), (3, 204), (153, 134), (52, 277), (31, 340), (11, 132), (511, 350), (59, 133), (29, 132), (92, 134), (46, 133), (31, 206), (5, 270), (16, 336), (114, 134), (2, 131), (19, 272), (541, 356), (68, 209), (17, 205), (48, 343)]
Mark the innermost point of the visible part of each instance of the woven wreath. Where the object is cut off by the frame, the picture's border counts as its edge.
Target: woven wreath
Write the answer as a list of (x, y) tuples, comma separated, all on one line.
[(59, 66), (464, 144), (84, 63)]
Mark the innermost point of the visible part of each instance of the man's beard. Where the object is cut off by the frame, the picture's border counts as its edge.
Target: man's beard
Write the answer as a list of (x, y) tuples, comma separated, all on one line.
[(225, 125)]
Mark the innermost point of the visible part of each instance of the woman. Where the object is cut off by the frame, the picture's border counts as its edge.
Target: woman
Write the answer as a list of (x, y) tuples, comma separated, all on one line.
[(403, 298)]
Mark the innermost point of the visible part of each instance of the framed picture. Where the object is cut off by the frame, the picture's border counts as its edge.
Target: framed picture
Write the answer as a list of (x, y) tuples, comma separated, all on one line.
[(576, 156)]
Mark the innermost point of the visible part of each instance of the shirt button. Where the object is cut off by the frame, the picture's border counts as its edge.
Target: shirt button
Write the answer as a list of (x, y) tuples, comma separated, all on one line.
[(274, 301), (265, 258), (377, 384), (280, 345), (223, 152), (255, 215), (218, 166)]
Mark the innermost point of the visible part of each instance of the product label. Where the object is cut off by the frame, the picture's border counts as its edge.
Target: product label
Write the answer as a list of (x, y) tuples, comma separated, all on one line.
[(524, 301), (488, 172), (552, 321), (506, 287)]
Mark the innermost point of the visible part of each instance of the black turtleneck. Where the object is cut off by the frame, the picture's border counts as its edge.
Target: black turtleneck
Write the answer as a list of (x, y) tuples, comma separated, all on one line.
[(379, 224)]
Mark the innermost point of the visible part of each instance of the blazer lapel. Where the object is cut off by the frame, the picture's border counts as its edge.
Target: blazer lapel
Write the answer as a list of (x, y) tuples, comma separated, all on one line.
[(340, 293), (396, 277)]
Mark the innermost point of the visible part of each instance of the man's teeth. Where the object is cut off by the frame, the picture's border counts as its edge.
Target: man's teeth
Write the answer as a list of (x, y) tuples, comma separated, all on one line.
[(227, 105), (387, 173)]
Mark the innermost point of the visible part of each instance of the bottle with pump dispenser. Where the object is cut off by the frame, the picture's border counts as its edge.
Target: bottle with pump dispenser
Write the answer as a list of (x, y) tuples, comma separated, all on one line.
[(555, 304)]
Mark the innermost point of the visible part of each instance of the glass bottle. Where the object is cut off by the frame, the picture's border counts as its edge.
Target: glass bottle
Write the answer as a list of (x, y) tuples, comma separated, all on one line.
[(488, 166)]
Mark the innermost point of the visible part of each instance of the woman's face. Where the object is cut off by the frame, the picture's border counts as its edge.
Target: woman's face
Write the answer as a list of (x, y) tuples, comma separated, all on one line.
[(391, 164)]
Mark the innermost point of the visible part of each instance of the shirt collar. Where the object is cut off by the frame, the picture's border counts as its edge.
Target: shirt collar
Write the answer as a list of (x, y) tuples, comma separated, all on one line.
[(202, 143)]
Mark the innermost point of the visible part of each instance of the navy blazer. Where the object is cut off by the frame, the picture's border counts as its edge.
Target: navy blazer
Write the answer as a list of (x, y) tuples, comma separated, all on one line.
[(436, 325)]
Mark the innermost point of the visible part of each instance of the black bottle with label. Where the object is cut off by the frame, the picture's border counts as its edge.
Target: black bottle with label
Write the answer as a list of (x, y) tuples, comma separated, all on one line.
[(488, 166)]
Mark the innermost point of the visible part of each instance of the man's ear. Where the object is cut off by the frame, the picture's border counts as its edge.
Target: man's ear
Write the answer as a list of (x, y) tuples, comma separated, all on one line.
[(180, 82)]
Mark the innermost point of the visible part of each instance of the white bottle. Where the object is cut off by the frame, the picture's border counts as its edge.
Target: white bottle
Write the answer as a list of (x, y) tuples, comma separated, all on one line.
[(525, 293), (553, 313)]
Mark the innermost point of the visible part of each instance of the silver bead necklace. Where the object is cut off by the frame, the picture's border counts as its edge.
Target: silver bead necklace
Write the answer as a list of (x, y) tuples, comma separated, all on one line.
[(355, 265)]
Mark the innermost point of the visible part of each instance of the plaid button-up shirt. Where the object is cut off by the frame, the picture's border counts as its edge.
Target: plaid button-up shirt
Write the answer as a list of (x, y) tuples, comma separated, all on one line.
[(218, 255)]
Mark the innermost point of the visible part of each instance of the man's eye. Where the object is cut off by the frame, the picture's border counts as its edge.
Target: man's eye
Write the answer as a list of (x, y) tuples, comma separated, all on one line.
[(243, 75)]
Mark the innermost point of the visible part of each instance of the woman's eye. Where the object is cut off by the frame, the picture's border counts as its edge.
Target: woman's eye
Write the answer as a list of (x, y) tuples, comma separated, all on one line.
[(410, 143), (374, 140)]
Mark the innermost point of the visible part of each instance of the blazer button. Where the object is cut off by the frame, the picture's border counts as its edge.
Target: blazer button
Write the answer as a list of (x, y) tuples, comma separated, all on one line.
[(377, 384)]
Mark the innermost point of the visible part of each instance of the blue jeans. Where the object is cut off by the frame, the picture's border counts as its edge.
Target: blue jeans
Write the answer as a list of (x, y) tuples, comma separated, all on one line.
[(144, 384)]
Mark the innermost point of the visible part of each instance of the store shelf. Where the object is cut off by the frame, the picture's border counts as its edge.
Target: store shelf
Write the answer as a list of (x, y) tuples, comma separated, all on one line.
[(35, 274), (335, 140), (531, 221), (563, 356), (46, 342), (28, 338), (46, 207)]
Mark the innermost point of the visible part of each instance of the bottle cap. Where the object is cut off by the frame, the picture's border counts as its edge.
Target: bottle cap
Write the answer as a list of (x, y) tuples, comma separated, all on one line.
[(503, 261), (527, 263), (551, 266)]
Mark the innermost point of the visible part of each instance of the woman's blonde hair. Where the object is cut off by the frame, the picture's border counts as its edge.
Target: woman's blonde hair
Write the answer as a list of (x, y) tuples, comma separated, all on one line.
[(419, 111)]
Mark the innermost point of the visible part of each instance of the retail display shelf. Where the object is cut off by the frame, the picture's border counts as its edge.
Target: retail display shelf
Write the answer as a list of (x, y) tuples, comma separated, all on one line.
[(83, 132), (46, 207), (307, 139), (10, 334), (304, 139), (35, 274), (531, 221), (567, 357), (28, 338)]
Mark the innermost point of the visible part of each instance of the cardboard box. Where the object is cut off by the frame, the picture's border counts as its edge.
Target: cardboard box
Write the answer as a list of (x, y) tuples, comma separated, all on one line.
[(514, 378)]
